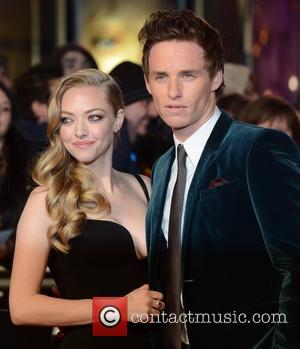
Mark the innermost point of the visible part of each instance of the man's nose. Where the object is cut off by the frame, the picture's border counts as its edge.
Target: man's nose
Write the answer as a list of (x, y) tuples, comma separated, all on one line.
[(174, 88)]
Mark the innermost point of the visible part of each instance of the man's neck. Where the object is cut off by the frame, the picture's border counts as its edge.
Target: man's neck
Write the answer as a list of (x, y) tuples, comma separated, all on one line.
[(184, 133)]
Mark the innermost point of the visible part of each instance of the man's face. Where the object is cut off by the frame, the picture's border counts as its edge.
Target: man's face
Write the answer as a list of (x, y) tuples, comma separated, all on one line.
[(182, 90)]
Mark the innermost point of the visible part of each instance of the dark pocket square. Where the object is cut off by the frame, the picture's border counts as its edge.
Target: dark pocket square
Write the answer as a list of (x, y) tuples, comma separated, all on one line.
[(217, 182)]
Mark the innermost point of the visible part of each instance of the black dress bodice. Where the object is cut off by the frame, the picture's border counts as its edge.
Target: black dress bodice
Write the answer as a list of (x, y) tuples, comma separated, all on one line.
[(102, 262)]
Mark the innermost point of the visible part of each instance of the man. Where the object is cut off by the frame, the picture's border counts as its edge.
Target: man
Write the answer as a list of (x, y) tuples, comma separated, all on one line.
[(138, 113), (33, 89), (224, 240)]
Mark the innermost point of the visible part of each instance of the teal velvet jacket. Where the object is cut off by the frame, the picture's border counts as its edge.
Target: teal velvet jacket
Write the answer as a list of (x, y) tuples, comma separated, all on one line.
[(241, 239)]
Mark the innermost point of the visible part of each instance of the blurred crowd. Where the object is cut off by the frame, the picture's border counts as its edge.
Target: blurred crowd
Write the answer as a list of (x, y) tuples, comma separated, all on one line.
[(143, 138)]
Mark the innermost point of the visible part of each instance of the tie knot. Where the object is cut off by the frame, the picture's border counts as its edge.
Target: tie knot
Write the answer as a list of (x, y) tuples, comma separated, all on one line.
[(181, 155)]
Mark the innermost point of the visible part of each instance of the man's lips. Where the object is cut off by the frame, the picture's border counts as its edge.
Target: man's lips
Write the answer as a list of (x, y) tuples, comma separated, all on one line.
[(173, 108), (82, 145)]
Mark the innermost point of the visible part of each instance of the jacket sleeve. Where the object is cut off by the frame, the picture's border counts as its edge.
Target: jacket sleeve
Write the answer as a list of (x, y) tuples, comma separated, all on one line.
[(273, 178)]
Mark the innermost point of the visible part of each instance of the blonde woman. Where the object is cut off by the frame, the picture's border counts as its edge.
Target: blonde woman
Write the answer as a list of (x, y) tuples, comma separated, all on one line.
[(85, 220)]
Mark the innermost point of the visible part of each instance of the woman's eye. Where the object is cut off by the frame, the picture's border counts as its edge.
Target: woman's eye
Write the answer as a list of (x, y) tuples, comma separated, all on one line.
[(5, 110), (95, 117), (65, 120)]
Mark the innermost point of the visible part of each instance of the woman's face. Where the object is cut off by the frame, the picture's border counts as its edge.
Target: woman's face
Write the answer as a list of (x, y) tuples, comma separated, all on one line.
[(5, 114), (73, 61), (88, 123)]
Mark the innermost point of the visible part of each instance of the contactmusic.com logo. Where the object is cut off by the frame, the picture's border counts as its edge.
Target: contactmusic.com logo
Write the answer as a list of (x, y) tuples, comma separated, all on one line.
[(110, 316)]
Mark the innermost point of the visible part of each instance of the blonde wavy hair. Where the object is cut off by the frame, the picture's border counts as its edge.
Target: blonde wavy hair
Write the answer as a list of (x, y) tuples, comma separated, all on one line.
[(72, 188)]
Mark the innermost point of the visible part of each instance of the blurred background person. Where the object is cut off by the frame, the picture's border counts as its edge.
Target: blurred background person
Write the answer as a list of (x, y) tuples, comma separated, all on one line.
[(139, 110), (3, 74), (233, 104), (33, 89), (273, 112), (151, 145), (15, 159), (72, 57), (239, 79)]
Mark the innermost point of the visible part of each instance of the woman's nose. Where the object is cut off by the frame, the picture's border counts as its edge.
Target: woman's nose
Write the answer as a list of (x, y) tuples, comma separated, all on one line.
[(81, 129)]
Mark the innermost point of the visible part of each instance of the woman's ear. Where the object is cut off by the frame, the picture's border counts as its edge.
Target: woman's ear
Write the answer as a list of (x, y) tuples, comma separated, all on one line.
[(119, 120), (217, 81)]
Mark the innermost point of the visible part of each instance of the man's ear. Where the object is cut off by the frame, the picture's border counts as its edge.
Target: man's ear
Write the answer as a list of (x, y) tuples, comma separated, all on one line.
[(147, 84), (119, 120), (217, 81)]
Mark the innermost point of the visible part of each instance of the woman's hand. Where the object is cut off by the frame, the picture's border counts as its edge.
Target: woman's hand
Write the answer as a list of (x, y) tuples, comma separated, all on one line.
[(143, 303)]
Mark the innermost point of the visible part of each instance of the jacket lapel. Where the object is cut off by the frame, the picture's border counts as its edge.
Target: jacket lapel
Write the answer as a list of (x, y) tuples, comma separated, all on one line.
[(199, 180)]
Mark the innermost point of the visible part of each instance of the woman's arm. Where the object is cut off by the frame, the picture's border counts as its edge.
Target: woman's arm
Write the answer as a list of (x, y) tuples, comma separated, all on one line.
[(27, 305)]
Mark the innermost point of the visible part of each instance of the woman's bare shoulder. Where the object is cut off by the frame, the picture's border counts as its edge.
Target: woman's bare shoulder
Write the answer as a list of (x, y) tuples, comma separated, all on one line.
[(35, 218), (131, 181), (38, 194), (37, 200), (40, 190)]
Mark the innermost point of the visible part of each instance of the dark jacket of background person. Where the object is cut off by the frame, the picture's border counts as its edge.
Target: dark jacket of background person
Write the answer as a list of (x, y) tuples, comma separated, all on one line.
[(15, 158)]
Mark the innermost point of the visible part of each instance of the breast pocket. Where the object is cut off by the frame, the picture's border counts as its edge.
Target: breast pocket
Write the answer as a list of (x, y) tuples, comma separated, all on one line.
[(220, 190)]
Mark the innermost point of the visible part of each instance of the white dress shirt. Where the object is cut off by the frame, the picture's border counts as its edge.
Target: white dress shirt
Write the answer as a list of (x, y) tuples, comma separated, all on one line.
[(193, 146)]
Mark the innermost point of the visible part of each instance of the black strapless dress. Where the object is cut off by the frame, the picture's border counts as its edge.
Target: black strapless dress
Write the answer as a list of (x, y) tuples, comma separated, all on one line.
[(102, 263)]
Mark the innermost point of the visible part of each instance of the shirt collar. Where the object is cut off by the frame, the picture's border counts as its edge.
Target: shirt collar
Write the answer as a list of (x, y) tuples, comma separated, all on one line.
[(195, 144)]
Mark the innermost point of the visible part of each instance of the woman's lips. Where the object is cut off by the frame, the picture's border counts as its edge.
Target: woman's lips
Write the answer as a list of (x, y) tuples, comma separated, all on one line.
[(82, 145)]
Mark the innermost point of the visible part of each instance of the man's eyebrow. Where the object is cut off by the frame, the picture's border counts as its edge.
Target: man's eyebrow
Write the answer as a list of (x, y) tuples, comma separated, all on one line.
[(192, 70), (184, 71), (158, 72)]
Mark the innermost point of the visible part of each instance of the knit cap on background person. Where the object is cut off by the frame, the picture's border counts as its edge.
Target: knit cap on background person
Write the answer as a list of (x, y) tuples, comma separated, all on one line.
[(130, 78)]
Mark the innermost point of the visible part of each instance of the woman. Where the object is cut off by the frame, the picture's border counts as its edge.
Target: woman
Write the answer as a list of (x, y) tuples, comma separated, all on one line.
[(14, 174), (86, 218), (72, 57), (273, 112)]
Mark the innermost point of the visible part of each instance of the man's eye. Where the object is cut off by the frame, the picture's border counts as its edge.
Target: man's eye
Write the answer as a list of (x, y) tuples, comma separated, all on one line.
[(95, 117), (188, 75), (160, 77), (65, 120)]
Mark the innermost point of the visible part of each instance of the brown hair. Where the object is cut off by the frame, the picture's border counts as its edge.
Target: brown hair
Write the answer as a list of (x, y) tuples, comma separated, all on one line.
[(233, 104), (182, 25), (269, 108)]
